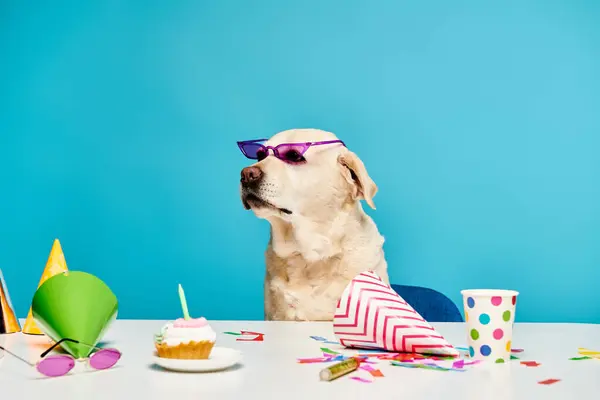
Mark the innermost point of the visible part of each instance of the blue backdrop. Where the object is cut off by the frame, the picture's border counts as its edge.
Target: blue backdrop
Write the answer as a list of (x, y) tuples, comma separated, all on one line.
[(479, 122)]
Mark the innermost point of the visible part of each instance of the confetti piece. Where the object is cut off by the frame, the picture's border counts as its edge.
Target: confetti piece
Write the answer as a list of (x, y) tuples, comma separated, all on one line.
[(404, 364), (340, 357), (329, 342), (313, 360), (514, 357), (406, 357), (433, 365), (458, 364), (318, 338), (425, 366), (587, 352), (259, 337), (549, 381), (580, 358), (443, 358), (359, 379), (377, 355), (252, 333), (425, 361), (232, 333), (328, 351), (461, 348), (530, 363), (474, 362), (517, 350), (365, 360), (437, 368), (376, 373)]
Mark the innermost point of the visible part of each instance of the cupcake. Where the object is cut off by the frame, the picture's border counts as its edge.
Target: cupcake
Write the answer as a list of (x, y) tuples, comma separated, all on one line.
[(191, 339), (186, 338)]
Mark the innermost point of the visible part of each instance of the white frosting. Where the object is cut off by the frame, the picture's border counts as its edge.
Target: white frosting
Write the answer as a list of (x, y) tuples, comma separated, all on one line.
[(173, 336)]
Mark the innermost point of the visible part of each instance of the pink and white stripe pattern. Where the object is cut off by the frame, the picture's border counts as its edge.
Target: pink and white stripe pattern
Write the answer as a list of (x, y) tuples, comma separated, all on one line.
[(371, 315)]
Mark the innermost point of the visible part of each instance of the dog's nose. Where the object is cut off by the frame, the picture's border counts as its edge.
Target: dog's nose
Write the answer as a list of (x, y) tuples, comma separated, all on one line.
[(251, 175)]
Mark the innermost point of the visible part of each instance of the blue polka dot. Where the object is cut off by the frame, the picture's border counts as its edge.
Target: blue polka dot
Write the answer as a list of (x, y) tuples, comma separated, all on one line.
[(485, 350), (484, 319), (470, 302), (471, 351)]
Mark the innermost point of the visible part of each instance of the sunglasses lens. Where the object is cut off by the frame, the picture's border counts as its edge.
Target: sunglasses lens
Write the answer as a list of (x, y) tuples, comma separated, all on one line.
[(292, 152), (56, 365), (105, 358), (253, 150)]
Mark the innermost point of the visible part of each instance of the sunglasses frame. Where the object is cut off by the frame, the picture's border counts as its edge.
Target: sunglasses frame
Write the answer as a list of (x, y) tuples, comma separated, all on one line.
[(275, 149), (47, 351)]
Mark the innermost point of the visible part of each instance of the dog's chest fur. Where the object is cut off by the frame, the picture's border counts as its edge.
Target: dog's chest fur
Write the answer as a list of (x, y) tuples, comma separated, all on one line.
[(298, 290)]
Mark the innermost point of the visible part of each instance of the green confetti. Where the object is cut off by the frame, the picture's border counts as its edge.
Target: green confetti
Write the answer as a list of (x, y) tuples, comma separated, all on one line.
[(232, 333), (420, 366), (431, 367), (403, 364), (446, 357), (514, 357), (328, 351), (580, 358)]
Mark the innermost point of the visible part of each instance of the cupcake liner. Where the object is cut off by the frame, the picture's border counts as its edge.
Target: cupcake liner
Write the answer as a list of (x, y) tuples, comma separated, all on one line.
[(186, 351)]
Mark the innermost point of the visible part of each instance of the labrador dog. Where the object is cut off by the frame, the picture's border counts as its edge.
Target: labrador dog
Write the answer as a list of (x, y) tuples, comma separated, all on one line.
[(308, 186)]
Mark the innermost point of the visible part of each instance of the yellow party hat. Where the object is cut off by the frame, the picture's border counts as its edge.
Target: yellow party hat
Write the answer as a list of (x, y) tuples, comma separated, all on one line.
[(56, 264)]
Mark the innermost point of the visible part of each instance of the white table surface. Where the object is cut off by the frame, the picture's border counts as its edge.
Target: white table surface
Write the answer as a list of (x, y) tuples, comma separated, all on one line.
[(270, 371)]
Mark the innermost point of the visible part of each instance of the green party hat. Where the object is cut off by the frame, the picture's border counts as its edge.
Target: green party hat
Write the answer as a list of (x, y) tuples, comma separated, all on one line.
[(74, 305)]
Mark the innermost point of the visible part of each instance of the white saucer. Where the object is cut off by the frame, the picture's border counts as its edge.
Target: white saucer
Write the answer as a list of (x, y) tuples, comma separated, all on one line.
[(220, 358)]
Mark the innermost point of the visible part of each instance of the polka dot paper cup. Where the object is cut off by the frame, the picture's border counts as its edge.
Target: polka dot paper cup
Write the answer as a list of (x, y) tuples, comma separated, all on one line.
[(489, 317)]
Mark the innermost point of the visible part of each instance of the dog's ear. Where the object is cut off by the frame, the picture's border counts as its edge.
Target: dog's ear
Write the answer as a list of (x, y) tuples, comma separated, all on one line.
[(356, 174)]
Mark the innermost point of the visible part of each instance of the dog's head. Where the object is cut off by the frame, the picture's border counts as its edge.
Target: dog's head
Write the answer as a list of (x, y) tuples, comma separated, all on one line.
[(307, 178)]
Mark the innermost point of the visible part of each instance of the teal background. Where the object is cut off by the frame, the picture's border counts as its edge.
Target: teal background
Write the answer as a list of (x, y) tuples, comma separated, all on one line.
[(479, 121)]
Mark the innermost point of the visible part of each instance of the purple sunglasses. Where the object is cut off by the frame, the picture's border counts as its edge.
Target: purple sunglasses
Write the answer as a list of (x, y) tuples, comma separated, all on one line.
[(61, 364), (292, 153)]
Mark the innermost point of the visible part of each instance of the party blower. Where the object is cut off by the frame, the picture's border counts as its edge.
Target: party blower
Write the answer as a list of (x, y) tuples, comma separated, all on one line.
[(74, 305)]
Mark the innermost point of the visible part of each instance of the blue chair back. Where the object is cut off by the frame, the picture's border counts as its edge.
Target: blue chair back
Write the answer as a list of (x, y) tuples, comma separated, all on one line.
[(432, 305)]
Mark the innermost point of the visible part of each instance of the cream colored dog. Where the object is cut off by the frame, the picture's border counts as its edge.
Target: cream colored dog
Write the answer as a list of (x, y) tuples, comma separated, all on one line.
[(320, 236)]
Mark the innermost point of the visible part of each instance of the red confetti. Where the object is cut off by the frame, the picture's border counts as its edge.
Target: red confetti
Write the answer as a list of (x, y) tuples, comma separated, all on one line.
[(530, 363), (313, 360), (517, 350), (251, 333), (549, 381), (258, 337), (408, 357), (376, 373)]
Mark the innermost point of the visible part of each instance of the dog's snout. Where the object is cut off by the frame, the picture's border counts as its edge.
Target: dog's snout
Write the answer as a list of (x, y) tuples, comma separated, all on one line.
[(251, 175)]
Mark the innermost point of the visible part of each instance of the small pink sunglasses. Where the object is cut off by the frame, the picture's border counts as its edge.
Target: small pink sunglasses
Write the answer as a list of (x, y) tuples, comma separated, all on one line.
[(61, 364)]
